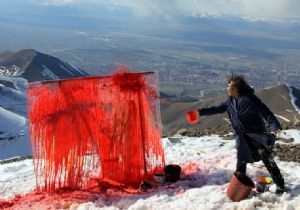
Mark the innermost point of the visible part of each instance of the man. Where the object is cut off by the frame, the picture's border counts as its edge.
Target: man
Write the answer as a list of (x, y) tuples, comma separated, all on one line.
[(246, 112)]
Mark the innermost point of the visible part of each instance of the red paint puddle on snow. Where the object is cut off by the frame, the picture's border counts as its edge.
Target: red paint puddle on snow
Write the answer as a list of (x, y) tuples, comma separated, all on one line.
[(95, 127), (66, 198), (61, 199), (190, 168)]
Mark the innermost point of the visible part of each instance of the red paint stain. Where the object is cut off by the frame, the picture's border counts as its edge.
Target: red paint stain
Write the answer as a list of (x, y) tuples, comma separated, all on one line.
[(60, 199), (98, 191), (103, 128), (191, 168)]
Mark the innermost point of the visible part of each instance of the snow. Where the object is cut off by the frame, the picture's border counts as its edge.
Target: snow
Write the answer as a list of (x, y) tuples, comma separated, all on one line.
[(227, 120), (19, 82), (67, 70), (11, 124), (11, 71), (16, 178), (208, 162), (282, 96), (48, 73), (14, 136), (293, 99), (74, 68), (283, 118), (292, 133), (19, 146), (12, 97)]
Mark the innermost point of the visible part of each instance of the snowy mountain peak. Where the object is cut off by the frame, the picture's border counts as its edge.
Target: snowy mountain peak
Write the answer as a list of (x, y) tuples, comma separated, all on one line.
[(36, 66)]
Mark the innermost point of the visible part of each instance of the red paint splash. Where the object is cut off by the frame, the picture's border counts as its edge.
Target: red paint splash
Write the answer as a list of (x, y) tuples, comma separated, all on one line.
[(95, 128)]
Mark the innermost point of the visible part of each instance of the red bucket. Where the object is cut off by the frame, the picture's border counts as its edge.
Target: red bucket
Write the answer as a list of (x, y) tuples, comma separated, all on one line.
[(192, 117), (240, 187)]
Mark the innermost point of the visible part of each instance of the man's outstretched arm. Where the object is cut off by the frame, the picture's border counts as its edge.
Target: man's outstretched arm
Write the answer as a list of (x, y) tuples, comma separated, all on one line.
[(217, 109)]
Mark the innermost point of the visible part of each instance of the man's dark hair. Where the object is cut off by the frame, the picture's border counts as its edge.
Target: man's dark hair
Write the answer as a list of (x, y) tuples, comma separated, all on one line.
[(240, 83)]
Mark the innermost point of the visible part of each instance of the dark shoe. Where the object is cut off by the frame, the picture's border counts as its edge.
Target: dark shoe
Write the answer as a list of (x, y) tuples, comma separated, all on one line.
[(281, 190)]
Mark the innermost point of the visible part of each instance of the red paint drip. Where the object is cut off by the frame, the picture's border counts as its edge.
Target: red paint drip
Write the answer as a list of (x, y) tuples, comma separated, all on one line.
[(95, 128)]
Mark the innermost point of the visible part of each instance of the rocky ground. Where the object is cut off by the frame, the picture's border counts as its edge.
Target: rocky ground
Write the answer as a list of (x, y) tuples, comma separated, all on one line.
[(285, 152)]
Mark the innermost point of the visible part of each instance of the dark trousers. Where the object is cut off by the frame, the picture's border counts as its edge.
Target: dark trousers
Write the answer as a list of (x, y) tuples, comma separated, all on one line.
[(268, 160)]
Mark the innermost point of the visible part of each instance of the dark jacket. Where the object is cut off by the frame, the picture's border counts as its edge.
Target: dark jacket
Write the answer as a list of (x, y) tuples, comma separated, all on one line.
[(246, 114)]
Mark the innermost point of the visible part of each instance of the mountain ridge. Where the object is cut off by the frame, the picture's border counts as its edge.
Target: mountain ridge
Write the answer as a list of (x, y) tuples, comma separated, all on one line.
[(34, 66)]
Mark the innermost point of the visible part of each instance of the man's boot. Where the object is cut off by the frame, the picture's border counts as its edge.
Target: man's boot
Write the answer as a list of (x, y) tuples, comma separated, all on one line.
[(279, 181)]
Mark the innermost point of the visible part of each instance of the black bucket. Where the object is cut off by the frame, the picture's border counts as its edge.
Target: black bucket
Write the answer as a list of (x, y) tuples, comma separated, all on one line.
[(172, 173)]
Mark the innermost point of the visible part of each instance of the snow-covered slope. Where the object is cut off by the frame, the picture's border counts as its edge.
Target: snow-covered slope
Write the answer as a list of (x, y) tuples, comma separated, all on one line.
[(14, 137), (208, 163), (12, 94), (15, 145), (11, 124), (294, 94)]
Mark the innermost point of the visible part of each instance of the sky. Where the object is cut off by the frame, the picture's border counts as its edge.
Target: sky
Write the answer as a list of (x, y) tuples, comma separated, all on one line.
[(264, 9), (251, 9)]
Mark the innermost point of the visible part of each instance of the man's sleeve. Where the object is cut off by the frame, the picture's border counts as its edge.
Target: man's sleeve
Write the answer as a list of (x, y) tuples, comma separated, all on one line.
[(268, 115), (217, 109)]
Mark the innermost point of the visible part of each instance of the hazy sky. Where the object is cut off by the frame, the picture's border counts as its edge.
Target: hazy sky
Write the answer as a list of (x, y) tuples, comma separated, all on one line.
[(269, 9)]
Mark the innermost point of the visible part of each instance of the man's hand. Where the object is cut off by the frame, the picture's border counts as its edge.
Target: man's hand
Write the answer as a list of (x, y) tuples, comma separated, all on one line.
[(277, 133)]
